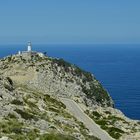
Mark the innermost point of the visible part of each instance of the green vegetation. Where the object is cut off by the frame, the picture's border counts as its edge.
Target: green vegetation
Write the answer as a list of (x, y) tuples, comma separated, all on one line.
[(9, 58), (10, 125), (102, 122), (9, 84), (113, 131), (25, 115), (95, 113), (53, 136), (48, 98), (87, 75), (66, 114), (62, 63), (30, 135), (54, 109), (85, 132), (105, 123), (107, 112), (77, 71), (9, 80), (56, 136), (36, 58), (17, 102), (29, 103), (114, 119), (12, 116), (101, 96), (17, 131)]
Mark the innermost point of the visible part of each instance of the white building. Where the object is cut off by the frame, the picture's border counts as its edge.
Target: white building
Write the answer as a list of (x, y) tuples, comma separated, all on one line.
[(29, 53), (29, 47)]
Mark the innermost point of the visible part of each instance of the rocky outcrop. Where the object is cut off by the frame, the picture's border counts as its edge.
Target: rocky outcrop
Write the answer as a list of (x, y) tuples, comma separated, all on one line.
[(55, 77)]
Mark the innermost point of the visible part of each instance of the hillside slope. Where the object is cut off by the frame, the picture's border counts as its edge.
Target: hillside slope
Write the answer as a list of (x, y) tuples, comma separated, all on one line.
[(29, 114), (55, 77), (31, 108)]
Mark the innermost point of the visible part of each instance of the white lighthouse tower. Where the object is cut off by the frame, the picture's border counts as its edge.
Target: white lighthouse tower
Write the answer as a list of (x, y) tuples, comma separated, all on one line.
[(29, 48)]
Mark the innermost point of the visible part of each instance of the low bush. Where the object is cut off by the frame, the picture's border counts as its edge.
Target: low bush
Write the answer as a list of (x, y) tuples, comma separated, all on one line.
[(53, 136), (25, 115), (95, 113), (12, 116), (101, 122), (17, 102), (48, 98), (10, 125), (115, 132)]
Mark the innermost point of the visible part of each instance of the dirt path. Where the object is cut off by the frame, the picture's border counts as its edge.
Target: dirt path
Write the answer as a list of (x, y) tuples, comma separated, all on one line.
[(88, 122)]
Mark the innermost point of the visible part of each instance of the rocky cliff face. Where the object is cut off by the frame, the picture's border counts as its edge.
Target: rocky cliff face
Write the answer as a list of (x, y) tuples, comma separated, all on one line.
[(55, 77), (30, 105)]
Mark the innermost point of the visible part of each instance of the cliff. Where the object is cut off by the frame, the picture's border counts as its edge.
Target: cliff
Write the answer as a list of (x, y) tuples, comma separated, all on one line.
[(55, 77), (31, 108)]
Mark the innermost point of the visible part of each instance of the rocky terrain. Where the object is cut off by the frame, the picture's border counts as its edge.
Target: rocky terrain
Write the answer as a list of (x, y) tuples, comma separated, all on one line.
[(31, 108)]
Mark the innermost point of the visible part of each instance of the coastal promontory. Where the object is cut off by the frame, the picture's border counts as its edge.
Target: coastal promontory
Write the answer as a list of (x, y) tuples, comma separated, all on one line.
[(44, 98)]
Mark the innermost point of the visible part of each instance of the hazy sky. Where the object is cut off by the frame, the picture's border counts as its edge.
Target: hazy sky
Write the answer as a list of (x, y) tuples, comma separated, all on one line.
[(70, 21)]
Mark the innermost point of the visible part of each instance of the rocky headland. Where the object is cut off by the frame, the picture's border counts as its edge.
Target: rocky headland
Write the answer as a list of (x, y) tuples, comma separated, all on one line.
[(32, 90)]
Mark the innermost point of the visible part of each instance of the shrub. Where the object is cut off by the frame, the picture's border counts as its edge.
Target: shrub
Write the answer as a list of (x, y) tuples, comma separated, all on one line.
[(17, 102), (31, 135), (10, 125), (107, 112), (95, 113), (101, 122), (11, 116), (9, 58), (114, 118), (47, 98), (53, 136), (115, 132), (25, 115), (61, 62), (10, 80), (54, 109)]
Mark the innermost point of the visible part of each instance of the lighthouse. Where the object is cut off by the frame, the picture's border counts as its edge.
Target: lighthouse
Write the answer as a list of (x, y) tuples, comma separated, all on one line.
[(29, 48), (29, 54)]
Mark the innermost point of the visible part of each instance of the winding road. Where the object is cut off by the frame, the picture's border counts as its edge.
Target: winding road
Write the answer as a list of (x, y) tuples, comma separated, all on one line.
[(77, 112)]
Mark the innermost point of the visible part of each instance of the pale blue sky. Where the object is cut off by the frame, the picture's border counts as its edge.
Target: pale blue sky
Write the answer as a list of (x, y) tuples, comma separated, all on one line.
[(70, 21)]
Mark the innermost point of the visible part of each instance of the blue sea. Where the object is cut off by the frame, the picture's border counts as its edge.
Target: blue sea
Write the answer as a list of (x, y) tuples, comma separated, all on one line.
[(117, 67)]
